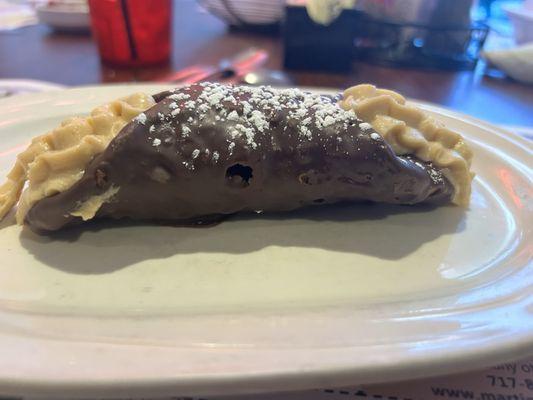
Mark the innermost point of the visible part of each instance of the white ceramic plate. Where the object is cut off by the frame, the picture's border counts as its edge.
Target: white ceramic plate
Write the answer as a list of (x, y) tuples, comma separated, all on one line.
[(336, 296), (10, 87)]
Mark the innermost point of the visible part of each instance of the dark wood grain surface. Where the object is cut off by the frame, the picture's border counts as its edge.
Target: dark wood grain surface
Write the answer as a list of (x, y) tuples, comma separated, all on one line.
[(38, 53)]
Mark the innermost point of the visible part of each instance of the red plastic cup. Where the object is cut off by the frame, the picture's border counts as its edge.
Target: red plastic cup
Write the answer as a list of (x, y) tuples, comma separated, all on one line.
[(132, 32)]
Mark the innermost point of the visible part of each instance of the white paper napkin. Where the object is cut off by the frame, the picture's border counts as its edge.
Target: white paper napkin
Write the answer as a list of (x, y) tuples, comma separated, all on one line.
[(508, 381), (15, 15), (516, 62)]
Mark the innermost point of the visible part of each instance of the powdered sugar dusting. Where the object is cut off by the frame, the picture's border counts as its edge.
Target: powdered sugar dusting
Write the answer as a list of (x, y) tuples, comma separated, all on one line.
[(185, 130), (179, 96), (233, 116), (141, 118), (250, 113)]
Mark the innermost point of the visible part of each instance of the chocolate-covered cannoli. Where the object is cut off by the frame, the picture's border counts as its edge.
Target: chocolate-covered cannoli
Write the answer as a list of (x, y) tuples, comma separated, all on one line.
[(201, 152)]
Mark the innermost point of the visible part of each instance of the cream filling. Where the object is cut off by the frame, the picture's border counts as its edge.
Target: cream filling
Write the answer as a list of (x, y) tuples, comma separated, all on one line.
[(88, 209), (409, 130), (56, 160)]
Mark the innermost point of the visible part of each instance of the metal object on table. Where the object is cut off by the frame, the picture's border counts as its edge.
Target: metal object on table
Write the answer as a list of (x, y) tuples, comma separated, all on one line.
[(240, 64), (265, 76), (228, 70), (186, 76)]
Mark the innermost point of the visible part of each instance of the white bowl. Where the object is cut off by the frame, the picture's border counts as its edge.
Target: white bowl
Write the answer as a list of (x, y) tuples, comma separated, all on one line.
[(256, 12)]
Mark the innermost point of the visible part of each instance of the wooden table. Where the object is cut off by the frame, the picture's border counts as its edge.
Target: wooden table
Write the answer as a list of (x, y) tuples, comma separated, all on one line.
[(37, 53)]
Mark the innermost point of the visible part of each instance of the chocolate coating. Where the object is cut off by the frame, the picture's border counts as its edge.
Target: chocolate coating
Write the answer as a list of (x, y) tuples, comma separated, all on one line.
[(206, 150)]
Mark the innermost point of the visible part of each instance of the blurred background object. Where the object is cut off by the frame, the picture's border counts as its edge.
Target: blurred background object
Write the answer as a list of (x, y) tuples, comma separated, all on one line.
[(11, 87), (132, 32), (516, 62), (435, 34), (325, 11), (422, 12), (16, 15), (425, 49), (509, 50), (522, 19), (253, 15), (65, 15), (313, 46), (229, 70), (264, 76)]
